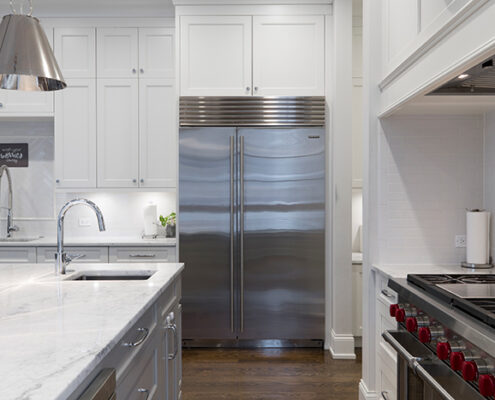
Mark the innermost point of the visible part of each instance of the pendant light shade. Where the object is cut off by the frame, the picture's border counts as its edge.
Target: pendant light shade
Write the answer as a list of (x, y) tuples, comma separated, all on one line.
[(27, 61)]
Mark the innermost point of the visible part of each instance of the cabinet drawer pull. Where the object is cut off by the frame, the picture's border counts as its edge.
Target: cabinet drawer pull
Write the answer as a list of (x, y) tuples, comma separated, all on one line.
[(143, 390), (387, 294), (142, 255), (140, 340), (385, 395), (173, 328)]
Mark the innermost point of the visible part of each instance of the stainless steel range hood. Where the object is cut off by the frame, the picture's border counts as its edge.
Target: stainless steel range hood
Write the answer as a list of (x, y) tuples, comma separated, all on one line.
[(476, 81)]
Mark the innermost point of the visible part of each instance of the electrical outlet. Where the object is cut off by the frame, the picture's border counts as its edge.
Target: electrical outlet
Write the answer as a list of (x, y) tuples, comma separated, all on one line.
[(84, 221), (460, 241)]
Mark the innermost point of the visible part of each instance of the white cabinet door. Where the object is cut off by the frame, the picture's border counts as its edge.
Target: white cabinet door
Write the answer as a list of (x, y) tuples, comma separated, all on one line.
[(16, 102), (288, 56), (215, 55), (75, 135), (157, 133), (117, 52), (118, 136), (156, 53), (75, 51)]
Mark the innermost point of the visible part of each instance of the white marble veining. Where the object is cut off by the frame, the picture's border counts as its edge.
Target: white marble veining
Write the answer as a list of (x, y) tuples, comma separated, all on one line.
[(402, 270), (54, 332), (101, 240)]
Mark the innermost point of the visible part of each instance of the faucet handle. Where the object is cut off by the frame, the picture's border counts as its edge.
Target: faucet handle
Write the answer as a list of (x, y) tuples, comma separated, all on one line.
[(72, 257), (14, 228)]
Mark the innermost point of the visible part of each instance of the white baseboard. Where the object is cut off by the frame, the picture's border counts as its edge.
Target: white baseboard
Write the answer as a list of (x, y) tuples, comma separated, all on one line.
[(365, 394), (341, 346)]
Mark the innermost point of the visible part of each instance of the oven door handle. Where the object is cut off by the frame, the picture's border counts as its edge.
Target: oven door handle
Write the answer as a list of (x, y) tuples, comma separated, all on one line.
[(415, 365)]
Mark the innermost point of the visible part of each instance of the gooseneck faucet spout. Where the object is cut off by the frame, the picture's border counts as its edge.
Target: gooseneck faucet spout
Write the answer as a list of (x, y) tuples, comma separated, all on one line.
[(61, 258), (10, 219)]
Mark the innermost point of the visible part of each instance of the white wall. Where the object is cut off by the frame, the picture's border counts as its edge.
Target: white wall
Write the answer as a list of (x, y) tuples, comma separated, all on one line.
[(430, 171), (489, 176), (36, 204)]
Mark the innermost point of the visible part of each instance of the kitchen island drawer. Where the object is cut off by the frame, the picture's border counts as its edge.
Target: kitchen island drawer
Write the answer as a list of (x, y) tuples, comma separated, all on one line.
[(80, 254), (142, 254), (16, 254)]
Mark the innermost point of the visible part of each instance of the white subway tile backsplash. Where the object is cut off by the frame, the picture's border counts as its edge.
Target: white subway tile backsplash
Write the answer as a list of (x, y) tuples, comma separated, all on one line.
[(431, 170)]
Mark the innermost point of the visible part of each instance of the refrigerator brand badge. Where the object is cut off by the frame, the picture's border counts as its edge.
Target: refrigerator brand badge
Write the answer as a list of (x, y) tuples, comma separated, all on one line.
[(14, 154), (313, 137)]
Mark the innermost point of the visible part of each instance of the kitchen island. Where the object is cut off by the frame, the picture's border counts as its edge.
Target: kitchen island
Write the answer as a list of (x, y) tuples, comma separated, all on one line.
[(59, 333)]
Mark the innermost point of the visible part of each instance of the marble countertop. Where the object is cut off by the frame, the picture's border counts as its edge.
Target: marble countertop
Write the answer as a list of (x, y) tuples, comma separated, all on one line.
[(55, 332), (100, 240), (402, 270)]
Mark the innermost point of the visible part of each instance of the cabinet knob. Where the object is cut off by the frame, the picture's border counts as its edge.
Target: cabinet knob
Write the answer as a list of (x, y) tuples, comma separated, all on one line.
[(141, 70), (134, 70), (134, 180), (141, 180), (248, 88), (1, 105), (255, 89), (57, 180)]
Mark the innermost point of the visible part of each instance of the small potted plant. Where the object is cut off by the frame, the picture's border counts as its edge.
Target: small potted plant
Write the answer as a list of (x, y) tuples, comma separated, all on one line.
[(169, 223)]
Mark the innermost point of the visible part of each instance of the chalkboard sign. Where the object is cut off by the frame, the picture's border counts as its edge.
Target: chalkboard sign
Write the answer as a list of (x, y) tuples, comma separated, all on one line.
[(14, 154)]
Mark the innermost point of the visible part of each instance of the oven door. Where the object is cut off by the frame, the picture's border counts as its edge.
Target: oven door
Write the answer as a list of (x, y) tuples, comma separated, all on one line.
[(421, 375)]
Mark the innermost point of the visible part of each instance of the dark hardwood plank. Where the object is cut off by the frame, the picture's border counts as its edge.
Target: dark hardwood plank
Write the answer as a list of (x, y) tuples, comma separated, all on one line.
[(268, 374)]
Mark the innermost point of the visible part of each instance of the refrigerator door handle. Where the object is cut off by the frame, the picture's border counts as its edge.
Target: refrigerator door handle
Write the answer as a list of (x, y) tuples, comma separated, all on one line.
[(241, 226), (232, 233)]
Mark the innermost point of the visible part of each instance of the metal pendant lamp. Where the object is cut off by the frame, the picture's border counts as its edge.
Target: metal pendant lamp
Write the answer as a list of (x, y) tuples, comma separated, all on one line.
[(27, 61)]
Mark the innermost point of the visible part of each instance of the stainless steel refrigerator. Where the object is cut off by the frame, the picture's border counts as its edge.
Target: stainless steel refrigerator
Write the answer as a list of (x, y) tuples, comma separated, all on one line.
[(252, 226)]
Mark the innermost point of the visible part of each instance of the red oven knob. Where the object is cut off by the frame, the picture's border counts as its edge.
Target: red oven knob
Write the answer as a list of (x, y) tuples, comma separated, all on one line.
[(412, 324), (486, 384), (469, 370), (400, 315), (424, 334), (443, 350), (393, 309), (456, 360)]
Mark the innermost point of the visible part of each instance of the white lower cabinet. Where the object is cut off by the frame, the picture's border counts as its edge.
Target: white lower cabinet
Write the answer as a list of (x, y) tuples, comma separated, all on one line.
[(118, 135), (148, 359), (16, 254), (141, 254), (88, 254), (386, 356), (78, 254)]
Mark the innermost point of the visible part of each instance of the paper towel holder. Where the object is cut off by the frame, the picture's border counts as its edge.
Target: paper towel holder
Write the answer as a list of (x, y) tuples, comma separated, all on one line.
[(477, 266)]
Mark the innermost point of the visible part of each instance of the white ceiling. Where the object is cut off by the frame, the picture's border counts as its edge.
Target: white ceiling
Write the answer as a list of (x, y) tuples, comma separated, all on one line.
[(92, 8)]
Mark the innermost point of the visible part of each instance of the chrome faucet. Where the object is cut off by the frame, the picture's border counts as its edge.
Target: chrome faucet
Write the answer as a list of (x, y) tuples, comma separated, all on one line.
[(10, 226), (61, 258)]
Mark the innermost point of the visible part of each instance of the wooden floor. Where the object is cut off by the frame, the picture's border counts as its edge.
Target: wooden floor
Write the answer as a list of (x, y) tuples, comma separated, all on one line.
[(268, 374)]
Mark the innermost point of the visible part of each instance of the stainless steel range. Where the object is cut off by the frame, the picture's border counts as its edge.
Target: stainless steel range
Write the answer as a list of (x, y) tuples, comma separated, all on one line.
[(446, 336)]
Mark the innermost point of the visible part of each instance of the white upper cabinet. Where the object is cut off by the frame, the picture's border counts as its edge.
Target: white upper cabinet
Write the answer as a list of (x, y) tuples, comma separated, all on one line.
[(117, 53), (75, 51), (75, 135), (157, 133), (215, 55), (21, 103), (156, 53), (288, 56), (118, 135)]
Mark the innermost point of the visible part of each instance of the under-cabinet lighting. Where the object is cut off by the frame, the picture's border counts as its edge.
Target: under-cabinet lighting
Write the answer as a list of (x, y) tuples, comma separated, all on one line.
[(463, 76)]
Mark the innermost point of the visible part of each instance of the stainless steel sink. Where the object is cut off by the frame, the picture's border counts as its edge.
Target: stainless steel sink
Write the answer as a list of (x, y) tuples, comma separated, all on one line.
[(20, 239), (136, 275)]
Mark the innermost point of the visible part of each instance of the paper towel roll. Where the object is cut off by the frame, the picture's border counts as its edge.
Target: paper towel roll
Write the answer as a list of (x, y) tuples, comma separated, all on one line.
[(150, 227), (478, 237)]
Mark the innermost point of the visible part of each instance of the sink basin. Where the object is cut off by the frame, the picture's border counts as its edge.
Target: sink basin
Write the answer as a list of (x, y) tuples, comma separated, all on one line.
[(111, 276), (20, 239)]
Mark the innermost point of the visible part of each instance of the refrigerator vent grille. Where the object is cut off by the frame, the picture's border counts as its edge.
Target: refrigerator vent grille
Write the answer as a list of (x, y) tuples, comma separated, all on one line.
[(252, 111)]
